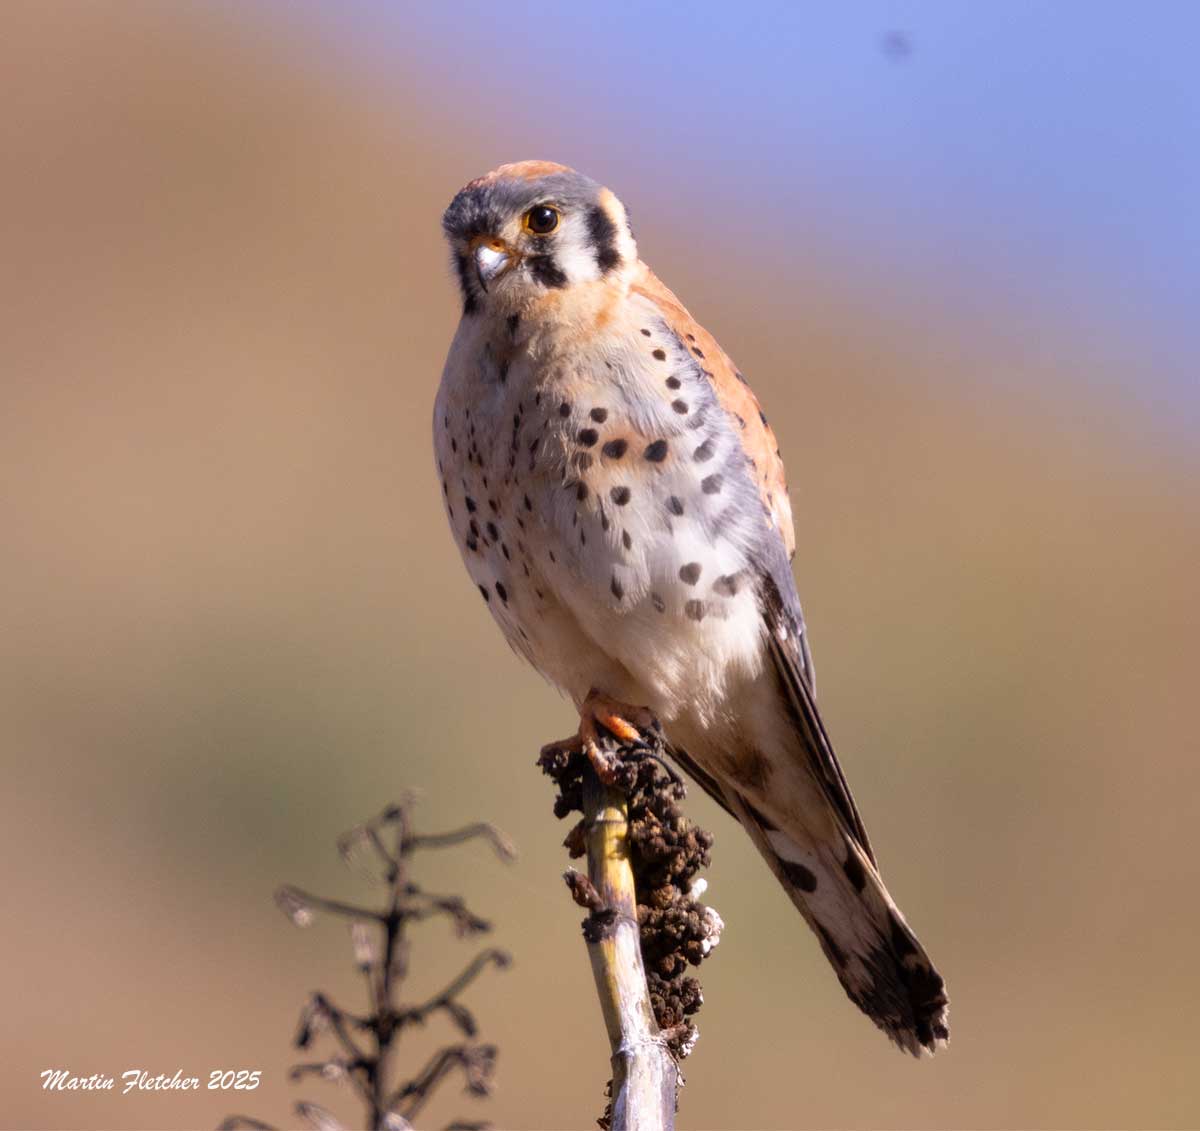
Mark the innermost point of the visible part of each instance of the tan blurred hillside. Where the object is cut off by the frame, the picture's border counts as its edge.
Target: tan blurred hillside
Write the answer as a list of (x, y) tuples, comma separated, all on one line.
[(233, 624)]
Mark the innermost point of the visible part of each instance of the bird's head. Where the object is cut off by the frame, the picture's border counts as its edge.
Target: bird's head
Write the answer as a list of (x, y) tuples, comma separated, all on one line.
[(526, 230)]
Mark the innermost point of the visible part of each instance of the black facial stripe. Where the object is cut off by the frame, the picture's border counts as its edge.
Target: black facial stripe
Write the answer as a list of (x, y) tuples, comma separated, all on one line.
[(463, 265), (546, 271), (602, 233)]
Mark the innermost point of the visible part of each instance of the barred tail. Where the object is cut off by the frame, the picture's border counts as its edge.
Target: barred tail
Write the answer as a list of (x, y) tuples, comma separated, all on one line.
[(877, 958)]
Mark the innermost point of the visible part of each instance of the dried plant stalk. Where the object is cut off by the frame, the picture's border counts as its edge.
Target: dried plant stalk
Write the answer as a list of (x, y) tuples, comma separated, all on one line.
[(645, 1076), (364, 1056)]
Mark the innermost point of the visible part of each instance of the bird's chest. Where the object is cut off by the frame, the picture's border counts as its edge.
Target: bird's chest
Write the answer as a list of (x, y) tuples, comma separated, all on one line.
[(501, 440), (601, 505)]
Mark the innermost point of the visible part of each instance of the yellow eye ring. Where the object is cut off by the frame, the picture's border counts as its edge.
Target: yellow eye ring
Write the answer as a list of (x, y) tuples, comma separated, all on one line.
[(540, 220)]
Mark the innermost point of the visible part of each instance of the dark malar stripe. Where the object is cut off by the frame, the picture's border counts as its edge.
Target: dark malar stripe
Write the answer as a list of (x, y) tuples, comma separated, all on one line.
[(463, 265), (546, 271), (603, 234)]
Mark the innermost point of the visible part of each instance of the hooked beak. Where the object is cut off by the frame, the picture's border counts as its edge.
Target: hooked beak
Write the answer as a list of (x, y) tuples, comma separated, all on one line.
[(490, 261)]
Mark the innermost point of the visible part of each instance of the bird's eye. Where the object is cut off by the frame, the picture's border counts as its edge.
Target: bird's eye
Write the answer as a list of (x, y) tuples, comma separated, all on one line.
[(541, 219)]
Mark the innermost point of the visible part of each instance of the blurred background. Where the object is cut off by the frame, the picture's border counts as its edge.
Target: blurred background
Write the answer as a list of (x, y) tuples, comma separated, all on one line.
[(956, 248)]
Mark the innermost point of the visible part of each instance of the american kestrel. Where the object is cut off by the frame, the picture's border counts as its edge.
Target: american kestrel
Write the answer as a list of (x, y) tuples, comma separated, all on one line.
[(619, 501)]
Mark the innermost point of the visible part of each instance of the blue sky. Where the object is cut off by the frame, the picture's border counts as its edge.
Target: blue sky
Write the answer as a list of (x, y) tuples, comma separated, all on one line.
[(1048, 155)]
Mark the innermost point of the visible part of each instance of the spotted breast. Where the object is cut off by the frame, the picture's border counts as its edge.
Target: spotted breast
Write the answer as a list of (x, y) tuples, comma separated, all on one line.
[(618, 498)]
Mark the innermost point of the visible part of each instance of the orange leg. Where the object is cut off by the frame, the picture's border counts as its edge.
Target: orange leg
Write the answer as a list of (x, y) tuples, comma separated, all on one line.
[(626, 723)]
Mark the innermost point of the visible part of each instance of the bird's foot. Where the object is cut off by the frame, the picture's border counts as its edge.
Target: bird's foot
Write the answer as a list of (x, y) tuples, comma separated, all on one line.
[(603, 721)]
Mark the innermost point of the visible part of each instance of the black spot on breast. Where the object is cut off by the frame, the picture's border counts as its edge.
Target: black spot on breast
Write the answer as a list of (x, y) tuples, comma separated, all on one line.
[(798, 874), (675, 505), (588, 436), (615, 449), (645, 331), (727, 586), (502, 592), (618, 590), (620, 495), (626, 540), (680, 407), (599, 415), (656, 452), (674, 383), (528, 504), (711, 484), (695, 610), (690, 573), (581, 492), (546, 271), (564, 409), (704, 452), (659, 354), (493, 533), (470, 504)]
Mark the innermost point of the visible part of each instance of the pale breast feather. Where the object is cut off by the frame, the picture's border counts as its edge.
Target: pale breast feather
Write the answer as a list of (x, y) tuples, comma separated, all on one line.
[(656, 519)]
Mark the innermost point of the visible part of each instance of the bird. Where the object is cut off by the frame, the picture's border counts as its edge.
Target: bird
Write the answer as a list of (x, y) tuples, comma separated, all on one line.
[(619, 501)]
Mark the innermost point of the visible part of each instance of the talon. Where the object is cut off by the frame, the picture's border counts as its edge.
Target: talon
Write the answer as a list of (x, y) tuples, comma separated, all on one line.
[(599, 717), (629, 725), (604, 765), (635, 727)]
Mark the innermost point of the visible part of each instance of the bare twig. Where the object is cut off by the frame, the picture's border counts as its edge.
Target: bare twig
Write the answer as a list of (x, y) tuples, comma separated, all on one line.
[(476, 1061), (501, 845), (380, 944)]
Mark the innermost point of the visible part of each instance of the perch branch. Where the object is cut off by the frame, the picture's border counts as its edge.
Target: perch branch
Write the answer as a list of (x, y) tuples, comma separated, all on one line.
[(645, 925), (645, 1076)]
